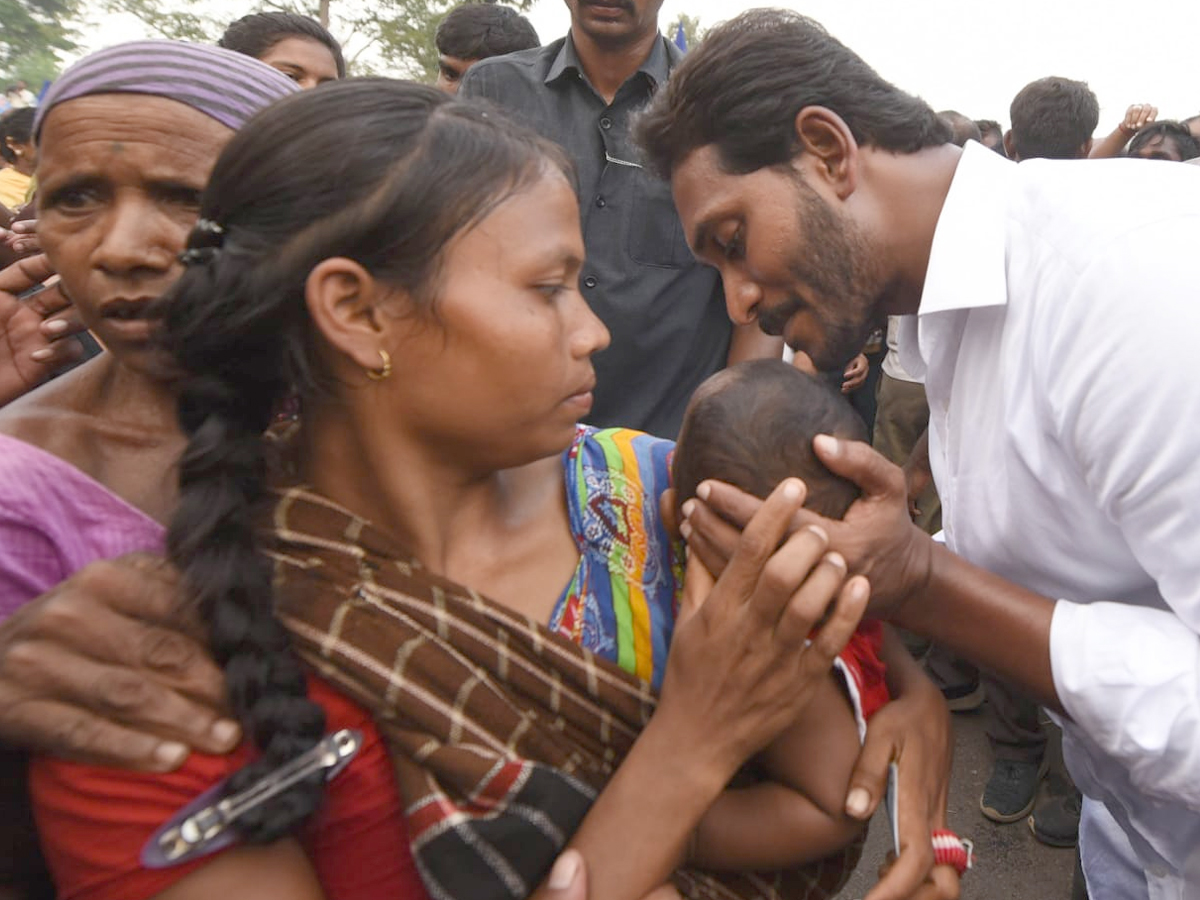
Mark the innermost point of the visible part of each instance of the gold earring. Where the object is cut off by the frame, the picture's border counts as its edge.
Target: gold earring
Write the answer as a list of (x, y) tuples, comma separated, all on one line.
[(379, 375)]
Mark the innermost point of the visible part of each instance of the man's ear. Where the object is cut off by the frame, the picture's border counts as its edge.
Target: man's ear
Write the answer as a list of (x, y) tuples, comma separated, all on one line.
[(1009, 148), (828, 148), (666, 510), (346, 305), (1086, 149)]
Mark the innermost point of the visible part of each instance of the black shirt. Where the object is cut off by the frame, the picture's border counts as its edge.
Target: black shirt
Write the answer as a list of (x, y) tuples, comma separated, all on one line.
[(666, 312)]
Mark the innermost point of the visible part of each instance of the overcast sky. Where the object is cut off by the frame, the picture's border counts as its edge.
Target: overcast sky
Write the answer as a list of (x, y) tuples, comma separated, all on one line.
[(968, 55), (974, 56)]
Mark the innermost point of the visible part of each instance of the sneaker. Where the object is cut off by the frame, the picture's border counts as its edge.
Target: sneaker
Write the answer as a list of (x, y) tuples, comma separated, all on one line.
[(966, 697), (1011, 790), (1055, 821)]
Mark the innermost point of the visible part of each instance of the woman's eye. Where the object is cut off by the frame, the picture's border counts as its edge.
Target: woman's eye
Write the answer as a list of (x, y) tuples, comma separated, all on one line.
[(72, 199)]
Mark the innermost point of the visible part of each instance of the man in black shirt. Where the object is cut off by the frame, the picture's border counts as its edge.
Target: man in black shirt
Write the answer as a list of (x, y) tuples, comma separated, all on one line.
[(666, 311)]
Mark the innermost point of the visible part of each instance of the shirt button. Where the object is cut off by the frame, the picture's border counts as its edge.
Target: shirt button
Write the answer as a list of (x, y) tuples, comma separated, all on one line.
[(601, 202), (606, 123), (590, 281)]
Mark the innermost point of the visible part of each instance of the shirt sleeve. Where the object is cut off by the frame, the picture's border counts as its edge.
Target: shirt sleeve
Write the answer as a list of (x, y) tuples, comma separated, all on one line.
[(29, 562), (1119, 358)]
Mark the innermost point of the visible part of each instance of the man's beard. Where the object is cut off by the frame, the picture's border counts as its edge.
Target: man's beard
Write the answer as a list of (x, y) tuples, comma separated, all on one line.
[(836, 264)]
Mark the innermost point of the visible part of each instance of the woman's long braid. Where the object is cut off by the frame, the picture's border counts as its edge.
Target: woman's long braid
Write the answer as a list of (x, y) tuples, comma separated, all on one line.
[(233, 380)]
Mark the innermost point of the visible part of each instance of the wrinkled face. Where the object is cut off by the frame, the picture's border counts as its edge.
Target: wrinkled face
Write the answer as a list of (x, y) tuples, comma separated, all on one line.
[(306, 61), (614, 22), (451, 69), (787, 258), (500, 372), (120, 177)]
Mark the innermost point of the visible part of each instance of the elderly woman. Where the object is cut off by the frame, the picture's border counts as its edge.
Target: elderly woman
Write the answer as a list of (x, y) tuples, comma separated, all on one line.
[(129, 136)]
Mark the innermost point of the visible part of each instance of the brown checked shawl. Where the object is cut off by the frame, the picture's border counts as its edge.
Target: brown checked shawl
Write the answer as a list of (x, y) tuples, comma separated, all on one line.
[(501, 732)]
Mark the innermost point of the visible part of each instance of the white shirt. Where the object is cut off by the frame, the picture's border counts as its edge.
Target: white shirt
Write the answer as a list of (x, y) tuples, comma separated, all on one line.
[(892, 367), (1058, 335)]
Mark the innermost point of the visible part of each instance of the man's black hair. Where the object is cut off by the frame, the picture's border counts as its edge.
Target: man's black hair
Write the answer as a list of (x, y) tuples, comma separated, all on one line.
[(1053, 118), (483, 29), (741, 88)]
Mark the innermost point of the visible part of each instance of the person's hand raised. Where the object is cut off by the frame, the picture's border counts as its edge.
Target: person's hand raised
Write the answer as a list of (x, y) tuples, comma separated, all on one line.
[(35, 329)]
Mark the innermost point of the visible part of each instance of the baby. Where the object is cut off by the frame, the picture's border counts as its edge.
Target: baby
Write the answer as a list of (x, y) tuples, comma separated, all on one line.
[(752, 425)]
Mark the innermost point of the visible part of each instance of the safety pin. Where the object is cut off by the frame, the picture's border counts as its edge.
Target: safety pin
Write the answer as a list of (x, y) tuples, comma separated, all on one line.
[(204, 825)]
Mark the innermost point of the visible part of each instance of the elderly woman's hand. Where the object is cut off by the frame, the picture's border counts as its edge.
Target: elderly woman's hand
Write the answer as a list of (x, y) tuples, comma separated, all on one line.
[(36, 322), (98, 670)]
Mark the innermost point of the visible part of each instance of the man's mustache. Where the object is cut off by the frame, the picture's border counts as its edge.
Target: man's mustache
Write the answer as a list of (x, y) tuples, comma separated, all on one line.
[(774, 320)]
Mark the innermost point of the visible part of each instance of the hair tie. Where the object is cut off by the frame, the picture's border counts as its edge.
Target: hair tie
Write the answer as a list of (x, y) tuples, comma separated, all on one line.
[(206, 239)]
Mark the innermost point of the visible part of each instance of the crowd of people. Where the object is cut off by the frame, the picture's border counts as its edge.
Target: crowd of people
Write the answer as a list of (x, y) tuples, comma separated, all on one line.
[(526, 485)]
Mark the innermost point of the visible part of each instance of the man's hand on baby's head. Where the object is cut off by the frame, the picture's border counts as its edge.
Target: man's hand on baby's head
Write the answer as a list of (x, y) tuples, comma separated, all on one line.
[(876, 536)]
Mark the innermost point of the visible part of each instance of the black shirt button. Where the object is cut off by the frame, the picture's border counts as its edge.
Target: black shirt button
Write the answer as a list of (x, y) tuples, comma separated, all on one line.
[(590, 281), (601, 202), (606, 123)]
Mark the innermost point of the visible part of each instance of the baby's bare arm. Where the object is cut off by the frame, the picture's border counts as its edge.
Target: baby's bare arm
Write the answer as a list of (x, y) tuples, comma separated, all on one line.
[(797, 816)]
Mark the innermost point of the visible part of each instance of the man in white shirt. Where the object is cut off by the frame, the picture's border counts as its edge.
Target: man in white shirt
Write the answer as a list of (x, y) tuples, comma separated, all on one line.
[(1063, 439)]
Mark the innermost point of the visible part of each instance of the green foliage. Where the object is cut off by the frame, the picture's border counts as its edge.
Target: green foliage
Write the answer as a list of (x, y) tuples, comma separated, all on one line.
[(168, 21), (33, 32)]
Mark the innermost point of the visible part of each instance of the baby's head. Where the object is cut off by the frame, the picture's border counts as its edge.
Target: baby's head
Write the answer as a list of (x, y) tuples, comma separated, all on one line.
[(753, 424)]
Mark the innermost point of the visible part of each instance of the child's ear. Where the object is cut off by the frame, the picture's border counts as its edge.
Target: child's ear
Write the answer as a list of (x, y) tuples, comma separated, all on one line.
[(666, 509)]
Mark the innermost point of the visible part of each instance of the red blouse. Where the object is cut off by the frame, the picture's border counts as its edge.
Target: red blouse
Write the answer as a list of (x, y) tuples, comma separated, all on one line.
[(94, 821)]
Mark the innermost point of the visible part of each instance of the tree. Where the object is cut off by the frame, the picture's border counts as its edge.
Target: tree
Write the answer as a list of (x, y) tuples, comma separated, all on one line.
[(34, 32), (391, 37)]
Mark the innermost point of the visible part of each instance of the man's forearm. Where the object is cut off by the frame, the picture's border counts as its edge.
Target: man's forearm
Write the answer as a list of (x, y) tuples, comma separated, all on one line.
[(990, 621)]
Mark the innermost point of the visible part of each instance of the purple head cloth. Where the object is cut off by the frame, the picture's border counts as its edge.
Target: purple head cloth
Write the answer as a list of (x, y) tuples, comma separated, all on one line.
[(227, 86)]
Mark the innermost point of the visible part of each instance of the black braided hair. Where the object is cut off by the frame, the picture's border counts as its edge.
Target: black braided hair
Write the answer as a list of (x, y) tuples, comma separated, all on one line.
[(383, 172)]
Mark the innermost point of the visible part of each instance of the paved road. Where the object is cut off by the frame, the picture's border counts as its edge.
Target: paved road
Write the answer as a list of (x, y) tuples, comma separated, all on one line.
[(1011, 864)]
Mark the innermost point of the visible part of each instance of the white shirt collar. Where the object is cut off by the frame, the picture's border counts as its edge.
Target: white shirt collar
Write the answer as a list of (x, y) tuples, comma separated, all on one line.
[(967, 258)]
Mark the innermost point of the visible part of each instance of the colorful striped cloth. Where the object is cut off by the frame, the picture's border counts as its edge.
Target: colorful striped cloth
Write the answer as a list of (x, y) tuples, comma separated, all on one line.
[(621, 604), (227, 86)]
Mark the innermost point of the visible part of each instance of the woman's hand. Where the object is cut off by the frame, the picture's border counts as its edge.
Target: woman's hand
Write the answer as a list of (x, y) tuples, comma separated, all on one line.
[(738, 673), (34, 330), (914, 730), (739, 669), (97, 670), (877, 538)]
